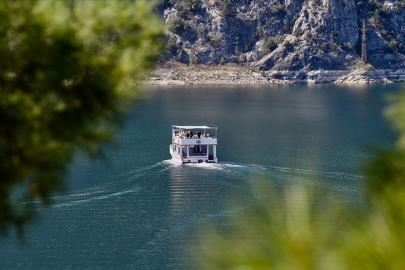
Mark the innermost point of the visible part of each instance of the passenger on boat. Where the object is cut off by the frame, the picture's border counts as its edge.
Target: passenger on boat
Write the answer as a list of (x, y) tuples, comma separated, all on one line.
[(207, 135), (199, 134)]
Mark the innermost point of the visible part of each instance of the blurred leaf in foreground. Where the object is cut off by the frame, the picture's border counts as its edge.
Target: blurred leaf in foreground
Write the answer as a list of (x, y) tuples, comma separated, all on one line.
[(378, 240), (67, 75), (285, 231), (282, 230)]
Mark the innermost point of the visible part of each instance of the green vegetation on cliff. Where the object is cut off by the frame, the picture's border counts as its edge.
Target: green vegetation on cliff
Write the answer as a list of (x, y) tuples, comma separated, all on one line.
[(324, 34)]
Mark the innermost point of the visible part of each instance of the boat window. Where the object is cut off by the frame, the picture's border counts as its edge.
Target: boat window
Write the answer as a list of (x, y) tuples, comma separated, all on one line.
[(203, 149), (198, 150)]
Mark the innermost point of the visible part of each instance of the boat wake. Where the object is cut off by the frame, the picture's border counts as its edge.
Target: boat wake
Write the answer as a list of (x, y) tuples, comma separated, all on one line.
[(339, 181), (263, 169), (235, 175), (328, 174), (90, 199), (209, 166)]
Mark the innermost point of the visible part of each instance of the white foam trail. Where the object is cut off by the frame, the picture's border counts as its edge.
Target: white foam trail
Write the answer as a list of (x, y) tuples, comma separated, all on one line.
[(67, 196), (170, 162), (94, 194), (217, 166), (141, 171), (95, 198), (338, 175)]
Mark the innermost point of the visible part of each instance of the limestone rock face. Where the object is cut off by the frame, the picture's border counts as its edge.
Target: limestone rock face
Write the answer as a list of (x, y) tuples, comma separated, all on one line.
[(365, 76), (285, 34)]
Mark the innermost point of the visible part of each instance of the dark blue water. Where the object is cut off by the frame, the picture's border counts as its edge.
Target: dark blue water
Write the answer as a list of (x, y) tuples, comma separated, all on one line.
[(136, 210)]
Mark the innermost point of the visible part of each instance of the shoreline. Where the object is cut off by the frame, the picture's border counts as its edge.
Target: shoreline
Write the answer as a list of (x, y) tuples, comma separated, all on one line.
[(182, 74)]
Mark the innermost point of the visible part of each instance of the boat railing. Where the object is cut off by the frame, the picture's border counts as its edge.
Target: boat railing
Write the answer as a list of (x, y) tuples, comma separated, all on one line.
[(198, 154), (195, 137)]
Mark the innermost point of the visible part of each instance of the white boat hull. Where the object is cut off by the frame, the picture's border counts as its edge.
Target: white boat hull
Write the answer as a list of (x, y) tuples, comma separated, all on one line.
[(196, 159)]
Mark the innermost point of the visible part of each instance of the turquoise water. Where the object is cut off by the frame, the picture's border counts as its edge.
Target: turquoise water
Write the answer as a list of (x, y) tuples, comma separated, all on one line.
[(135, 209)]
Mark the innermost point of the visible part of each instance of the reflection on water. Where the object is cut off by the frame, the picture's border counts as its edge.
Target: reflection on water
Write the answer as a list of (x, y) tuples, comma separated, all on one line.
[(141, 211)]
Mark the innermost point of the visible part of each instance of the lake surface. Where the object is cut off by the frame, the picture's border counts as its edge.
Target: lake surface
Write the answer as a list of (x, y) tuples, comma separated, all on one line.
[(137, 210)]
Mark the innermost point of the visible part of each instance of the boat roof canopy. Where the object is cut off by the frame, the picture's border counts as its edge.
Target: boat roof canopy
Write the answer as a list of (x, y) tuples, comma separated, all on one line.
[(193, 127)]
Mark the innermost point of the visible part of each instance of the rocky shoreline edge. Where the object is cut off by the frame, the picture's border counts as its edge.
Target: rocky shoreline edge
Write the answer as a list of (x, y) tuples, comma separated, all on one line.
[(180, 74)]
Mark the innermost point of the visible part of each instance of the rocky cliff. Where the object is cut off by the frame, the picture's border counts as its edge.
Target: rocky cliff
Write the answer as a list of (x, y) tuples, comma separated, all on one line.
[(290, 35)]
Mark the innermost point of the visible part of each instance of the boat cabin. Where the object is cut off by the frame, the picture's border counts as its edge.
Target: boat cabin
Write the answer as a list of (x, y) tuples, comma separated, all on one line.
[(194, 144)]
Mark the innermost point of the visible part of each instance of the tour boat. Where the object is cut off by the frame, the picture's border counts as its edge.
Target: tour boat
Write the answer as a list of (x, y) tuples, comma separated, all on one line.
[(194, 144)]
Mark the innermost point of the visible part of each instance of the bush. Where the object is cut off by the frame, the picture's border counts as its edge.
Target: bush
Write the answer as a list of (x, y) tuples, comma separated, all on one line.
[(334, 46), (202, 34), (170, 45), (276, 9), (293, 20), (334, 33), (187, 6), (259, 31), (179, 54), (248, 45), (394, 45), (298, 32), (215, 39), (269, 45), (236, 43), (176, 25), (225, 9), (347, 46), (193, 58)]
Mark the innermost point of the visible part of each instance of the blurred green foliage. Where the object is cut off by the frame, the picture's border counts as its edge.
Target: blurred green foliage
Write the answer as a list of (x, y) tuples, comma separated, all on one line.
[(280, 230), (287, 230), (68, 72)]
